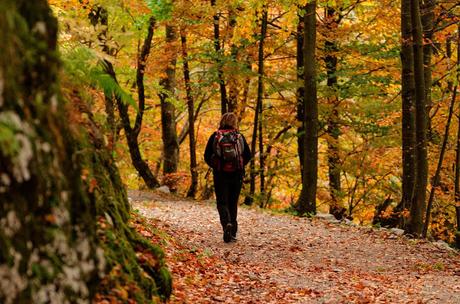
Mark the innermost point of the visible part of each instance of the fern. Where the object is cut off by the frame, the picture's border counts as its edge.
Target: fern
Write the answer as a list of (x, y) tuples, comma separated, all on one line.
[(84, 66)]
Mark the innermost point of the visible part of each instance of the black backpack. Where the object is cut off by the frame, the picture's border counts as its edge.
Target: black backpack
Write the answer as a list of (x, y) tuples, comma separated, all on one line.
[(228, 147)]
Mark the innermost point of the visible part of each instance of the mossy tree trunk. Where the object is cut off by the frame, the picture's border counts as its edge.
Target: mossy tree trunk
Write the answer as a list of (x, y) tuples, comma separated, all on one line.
[(58, 181), (48, 251)]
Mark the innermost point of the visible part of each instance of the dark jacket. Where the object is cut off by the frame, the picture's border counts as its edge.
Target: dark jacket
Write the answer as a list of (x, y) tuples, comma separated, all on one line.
[(209, 152)]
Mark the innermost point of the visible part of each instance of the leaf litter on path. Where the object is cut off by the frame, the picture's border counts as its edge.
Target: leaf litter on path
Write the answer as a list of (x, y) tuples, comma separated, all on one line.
[(286, 259)]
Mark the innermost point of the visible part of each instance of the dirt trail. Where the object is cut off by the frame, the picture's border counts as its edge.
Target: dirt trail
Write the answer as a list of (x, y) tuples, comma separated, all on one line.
[(285, 259)]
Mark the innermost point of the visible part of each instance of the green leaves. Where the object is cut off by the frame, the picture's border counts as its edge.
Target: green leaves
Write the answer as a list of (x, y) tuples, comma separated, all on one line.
[(161, 9), (111, 88), (8, 143), (83, 65)]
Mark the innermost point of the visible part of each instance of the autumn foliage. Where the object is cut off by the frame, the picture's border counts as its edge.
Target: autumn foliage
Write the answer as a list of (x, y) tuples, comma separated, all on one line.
[(360, 96)]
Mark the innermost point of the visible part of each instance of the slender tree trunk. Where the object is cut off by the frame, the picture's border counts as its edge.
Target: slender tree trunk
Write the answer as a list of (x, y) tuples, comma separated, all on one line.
[(300, 92), (257, 130), (260, 93), (435, 181), (168, 115), (139, 163), (219, 54), (233, 79), (132, 133), (190, 107), (427, 15), (439, 167), (457, 184), (307, 199), (408, 109), (249, 199), (457, 158), (333, 130), (418, 206), (99, 15)]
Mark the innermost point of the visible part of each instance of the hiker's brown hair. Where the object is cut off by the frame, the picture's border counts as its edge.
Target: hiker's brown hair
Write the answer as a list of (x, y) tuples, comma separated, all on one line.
[(229, 121)]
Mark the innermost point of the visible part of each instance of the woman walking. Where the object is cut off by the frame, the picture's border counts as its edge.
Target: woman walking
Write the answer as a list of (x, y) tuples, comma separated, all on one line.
[(227, 152)]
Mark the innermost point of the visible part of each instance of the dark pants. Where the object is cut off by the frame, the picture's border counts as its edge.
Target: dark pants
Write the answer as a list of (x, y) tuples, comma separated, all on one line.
[(228, 187)]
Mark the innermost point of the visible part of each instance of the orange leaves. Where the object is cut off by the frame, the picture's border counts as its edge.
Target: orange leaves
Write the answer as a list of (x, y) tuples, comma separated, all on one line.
[(90, 180), (50, 218), (147, 258)]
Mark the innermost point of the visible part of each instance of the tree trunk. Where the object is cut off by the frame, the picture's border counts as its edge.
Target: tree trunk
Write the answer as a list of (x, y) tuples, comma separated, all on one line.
[(457, 159), (257, 130), (99, 15), (249, 199), (418, 206), (427, 17), (452, 89), (219, 54), (408, 109), (133, 143), (168, 115), (132, 133), (233, 79), (300, 91), (441, 159), (191, 130), (58, 181), (139, 163), (260, 95), (333, 130), (307, 199)]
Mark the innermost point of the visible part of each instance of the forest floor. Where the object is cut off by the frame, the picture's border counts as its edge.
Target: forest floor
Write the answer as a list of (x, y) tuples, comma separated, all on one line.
[(279, 258)]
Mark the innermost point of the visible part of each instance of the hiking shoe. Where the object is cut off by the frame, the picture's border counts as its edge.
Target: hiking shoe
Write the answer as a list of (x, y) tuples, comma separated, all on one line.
[(228, 233), (233, 238)]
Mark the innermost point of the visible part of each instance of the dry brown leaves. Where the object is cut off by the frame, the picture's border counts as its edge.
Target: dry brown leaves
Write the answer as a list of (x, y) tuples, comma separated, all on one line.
[(283, 259)]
